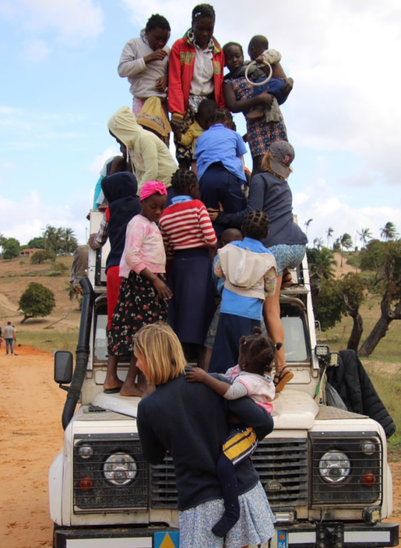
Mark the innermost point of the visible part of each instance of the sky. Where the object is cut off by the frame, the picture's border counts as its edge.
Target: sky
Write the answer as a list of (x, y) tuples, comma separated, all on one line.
[(59, 86)]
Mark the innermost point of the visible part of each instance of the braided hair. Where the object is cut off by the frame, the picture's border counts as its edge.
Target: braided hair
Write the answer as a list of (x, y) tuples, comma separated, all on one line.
[(255, 224), (257, 352), (184, 181), (203, 10), (157, 21)]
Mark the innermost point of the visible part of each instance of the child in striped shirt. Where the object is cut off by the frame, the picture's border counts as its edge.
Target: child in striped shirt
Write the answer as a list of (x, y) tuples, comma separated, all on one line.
[(189, 237)]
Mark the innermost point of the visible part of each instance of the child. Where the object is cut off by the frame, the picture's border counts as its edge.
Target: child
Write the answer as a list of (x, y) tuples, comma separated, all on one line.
[(120, 192), (144, 61), (229, 235), (256, 354), (249, 271), (219, 153), (203, 117), (188, 237), (278, 85), (143, 292)]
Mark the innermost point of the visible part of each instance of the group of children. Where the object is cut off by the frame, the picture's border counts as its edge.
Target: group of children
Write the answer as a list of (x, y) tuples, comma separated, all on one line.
[(168, 261)]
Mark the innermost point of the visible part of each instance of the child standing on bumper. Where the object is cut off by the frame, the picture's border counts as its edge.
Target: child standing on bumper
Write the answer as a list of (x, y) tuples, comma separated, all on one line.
[(248, 378), (143, 291)]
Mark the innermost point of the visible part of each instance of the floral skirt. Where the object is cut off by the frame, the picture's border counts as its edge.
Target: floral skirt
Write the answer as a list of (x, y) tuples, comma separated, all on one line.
[(255, 525), (138, 304)]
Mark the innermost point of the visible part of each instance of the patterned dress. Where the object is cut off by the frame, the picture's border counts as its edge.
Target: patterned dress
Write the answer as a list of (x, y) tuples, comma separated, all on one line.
[(260, 133)]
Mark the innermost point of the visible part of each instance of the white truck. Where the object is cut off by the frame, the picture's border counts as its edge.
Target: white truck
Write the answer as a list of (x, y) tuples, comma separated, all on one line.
[(324, 468)]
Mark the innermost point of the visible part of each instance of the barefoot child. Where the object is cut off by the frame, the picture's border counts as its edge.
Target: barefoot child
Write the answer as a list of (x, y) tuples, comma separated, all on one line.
[(188, 237), (256, 354), (143, 293)]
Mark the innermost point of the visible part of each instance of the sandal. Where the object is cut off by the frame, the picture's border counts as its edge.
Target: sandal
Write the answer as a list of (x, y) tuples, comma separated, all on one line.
[(281, 379)]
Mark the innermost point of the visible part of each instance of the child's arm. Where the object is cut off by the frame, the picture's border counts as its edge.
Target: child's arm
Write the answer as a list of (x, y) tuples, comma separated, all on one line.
[(270, 282), (217, 269), (244, 105), (196, 374)]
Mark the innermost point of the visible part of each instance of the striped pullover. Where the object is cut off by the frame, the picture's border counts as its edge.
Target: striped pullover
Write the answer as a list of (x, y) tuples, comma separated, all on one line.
[(186, 225)]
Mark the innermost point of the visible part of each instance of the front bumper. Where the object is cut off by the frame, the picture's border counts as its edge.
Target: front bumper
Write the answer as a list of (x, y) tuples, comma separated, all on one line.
[(337, 535), (322, 535)]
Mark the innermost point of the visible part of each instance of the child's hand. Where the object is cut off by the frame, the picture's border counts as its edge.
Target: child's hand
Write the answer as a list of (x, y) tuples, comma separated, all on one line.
[(265, 98), (156, 55), (289, 84), (163, 289), (161, 84), (195, 374)]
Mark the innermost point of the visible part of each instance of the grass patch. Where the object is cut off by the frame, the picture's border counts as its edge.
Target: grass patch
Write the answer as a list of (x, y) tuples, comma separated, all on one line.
[(50, 340)]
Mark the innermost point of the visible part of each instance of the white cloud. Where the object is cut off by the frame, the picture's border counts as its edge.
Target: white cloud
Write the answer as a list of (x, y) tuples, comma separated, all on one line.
[(98, 163), (72, 20), (35, 50)]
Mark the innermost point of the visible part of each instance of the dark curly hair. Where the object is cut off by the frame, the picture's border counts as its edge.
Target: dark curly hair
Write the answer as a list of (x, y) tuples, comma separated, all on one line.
[(255, 224), (257, 352), (230, 44), (203, 10), (157, 21), (184, 181)]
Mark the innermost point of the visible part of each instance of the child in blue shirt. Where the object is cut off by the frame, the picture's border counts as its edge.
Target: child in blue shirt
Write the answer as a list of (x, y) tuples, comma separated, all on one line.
[(249, 271)]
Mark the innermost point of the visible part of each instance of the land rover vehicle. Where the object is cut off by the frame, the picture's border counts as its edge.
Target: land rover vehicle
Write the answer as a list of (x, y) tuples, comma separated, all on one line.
[(324, 468)]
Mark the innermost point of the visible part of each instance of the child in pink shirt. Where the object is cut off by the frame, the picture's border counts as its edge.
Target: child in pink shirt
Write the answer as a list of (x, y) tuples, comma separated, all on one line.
[(143, 292)]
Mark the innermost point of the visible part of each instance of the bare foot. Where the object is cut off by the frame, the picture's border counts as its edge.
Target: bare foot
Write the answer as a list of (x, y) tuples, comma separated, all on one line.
[(131, 390), (112, 384)]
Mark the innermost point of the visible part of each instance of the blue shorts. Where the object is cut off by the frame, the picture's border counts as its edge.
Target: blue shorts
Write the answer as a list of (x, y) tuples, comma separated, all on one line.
[(287, 256)]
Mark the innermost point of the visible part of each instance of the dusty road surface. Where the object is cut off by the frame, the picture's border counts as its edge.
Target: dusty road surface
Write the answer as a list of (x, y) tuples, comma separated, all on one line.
[(30, 437)]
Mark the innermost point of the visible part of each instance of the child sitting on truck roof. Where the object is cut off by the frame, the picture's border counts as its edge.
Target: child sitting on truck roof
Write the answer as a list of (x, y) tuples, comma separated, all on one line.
[(256, 355)]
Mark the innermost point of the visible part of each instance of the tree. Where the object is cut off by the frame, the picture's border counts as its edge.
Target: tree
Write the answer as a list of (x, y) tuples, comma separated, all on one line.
[(388, 232), (36, 243), (353, 288), (308, 222), (364, 236), (42, 255), (11, 248), (345, 241), (321, 262), (318, 243), (328, 303), (59, 240), (36, 301), (329, 234), (388, 284)]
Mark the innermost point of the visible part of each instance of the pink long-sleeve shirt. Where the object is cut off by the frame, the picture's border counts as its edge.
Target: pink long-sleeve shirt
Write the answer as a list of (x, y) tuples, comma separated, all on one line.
[(144, 248)]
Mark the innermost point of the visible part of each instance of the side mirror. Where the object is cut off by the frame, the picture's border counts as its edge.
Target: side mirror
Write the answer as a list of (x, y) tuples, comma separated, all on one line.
[(63, 363)]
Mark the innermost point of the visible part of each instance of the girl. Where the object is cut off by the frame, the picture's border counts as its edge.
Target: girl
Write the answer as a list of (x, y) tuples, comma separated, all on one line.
[(256, 354), (239, 97), (120, 192), (144, 61), (143, 292), (249, 271), (188, 237), (195, 73), (192, 427)]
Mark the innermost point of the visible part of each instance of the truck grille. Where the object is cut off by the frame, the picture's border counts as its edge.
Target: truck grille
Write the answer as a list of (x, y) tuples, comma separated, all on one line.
[(281, 464)]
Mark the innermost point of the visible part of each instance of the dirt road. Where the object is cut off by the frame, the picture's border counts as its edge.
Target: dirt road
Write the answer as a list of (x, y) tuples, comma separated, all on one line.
[(30, 437)]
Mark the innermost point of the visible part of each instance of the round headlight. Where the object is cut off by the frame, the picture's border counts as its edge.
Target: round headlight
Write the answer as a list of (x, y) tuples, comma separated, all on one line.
[(85, 451), (334, 466), (120, 469), (368, 447)]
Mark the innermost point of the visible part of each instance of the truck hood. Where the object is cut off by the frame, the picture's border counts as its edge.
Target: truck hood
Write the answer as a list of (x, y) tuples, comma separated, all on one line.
[(294, 410)]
